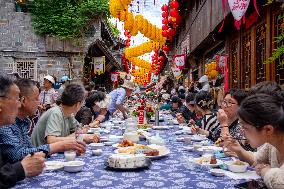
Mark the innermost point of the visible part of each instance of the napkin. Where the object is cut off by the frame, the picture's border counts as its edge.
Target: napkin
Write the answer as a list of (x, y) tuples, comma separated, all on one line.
[(248, 175)]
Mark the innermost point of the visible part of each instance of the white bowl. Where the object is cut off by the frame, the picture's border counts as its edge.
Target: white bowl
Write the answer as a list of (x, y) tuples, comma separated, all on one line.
[(109, 143), (197, 146), (70, 155), (217, 172), (97, 152), (74, 166), (95, 146), (180, 139), (237, 168), (189, 148)]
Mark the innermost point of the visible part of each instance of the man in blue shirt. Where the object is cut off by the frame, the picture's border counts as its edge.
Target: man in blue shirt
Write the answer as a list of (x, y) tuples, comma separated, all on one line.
[(14, 138), (118, 96), (31, 165)]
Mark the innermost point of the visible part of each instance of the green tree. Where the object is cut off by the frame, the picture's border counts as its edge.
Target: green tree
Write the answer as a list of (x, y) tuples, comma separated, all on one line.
[(66, 18)]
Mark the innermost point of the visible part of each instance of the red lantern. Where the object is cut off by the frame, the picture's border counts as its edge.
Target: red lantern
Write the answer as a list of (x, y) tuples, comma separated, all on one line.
[(166, 48), (156, 51), (127, 44), (161, 58), (165, 34), (165, 21), (165, 27), (174, 13), (178, 19), (174, 5), (126, 32), (165, 14), (165, 7)]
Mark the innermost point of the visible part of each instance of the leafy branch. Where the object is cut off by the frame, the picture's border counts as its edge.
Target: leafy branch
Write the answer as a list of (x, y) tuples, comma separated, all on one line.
[(66, 19), (279, 52)]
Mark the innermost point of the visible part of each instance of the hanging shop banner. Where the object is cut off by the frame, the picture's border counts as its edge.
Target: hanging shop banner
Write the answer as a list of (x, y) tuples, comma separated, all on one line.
[(99, 65), (114, 76), (222, 64), (179, 61), (176, 72), (238, 8)]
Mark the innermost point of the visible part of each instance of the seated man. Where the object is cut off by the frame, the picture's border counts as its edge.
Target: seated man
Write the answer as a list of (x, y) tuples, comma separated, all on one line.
[(14, 138), (59, 123), (31, 165)]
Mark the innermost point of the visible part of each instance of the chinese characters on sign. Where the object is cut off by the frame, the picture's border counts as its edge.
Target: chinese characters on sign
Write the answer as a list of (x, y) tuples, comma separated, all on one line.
[(238, 8)]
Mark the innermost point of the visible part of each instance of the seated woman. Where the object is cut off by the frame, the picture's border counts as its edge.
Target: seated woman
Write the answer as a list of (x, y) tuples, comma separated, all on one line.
[(95, 109), (187, 111), (203, 106), (165, 101), (261, 117), (228, 118)]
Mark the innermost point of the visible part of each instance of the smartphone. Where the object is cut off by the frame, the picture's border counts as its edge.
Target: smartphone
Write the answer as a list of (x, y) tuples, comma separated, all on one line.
[(252, 184)]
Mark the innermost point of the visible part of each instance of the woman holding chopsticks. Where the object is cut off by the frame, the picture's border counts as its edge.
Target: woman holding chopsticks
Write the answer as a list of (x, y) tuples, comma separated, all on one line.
[(261, 117)]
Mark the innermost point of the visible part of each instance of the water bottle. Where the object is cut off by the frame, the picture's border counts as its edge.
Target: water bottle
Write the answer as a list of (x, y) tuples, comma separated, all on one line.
[(157, 117)]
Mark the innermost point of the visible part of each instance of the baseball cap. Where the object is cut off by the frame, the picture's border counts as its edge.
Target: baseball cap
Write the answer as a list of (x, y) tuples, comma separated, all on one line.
[(65, 78), (49, 78)]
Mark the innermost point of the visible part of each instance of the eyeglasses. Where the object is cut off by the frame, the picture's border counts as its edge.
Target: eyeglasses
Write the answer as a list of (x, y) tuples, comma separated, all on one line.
[(17, 99), (227, 104)]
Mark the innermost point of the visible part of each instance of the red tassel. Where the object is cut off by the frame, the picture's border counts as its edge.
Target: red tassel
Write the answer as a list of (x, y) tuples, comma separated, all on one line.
[(238, 24), (224, 14), (255, 6)]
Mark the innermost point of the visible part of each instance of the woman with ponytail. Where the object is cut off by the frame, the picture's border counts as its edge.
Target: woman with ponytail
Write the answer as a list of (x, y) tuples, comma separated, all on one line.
[(261, 117)]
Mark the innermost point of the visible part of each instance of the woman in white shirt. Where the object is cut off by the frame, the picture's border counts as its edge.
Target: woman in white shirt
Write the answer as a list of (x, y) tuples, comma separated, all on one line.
[(262, 120)]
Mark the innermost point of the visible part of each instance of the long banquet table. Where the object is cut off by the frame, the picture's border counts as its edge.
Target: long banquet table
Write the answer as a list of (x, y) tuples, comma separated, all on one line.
[(171, 172)]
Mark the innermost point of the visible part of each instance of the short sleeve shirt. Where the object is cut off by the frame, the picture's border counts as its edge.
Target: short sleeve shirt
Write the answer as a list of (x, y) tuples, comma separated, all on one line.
[(53, 123), (117, 97)]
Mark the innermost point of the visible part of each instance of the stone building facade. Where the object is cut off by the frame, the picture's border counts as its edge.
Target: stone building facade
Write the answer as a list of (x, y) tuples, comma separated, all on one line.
[(33, 56)]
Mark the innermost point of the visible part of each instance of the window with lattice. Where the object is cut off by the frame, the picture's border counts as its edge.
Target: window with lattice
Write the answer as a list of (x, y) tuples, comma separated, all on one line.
[(234, 68), (260, 52), (26, 68), (246, 61)]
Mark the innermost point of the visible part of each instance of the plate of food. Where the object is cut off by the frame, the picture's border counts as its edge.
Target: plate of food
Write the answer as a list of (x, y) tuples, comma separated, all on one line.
[(53, 165), (208, 161), (162, 127), (151, 151), (124, 144), (144, 126), (237, 166), (127, 162)]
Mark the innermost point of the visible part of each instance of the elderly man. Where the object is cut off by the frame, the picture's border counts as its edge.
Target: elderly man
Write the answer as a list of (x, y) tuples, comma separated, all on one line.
[(14, 139), (59, 123), (31, 165), (118, 96)]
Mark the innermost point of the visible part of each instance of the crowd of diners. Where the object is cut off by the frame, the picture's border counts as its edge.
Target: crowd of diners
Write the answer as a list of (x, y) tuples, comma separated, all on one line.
[(37, 122)]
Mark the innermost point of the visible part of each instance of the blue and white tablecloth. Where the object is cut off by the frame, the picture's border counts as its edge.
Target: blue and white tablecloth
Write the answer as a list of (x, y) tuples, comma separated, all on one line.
[(171, 172)]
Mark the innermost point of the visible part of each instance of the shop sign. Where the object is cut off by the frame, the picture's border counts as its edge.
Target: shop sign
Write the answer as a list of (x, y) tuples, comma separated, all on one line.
[(99, 65), (179, 61), (238, 8), (114, 76)]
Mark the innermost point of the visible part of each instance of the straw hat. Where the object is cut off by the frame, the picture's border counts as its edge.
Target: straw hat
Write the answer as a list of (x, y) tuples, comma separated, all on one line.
[(129, 85)]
